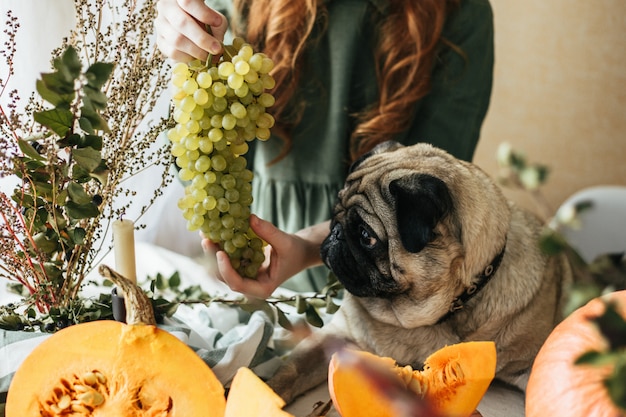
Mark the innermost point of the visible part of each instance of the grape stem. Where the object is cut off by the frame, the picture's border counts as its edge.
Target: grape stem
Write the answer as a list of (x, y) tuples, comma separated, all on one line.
[(209, 59), (227, 51)]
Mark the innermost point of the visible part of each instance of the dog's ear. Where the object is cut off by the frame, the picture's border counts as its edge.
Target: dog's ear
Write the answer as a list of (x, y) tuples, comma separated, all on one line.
[(386, 146), (421, 202)]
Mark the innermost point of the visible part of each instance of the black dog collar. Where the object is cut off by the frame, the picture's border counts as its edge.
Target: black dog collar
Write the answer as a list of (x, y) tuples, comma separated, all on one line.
[(481, 280)]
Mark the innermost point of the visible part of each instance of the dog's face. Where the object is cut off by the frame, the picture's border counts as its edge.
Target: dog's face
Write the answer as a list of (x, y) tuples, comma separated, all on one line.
[(411, 227)]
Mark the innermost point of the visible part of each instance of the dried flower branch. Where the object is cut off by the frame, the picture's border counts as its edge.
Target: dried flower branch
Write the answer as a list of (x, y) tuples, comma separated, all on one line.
[(72, 156)]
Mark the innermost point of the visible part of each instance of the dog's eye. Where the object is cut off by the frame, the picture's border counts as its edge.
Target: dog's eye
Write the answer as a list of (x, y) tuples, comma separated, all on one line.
[(367, 240)]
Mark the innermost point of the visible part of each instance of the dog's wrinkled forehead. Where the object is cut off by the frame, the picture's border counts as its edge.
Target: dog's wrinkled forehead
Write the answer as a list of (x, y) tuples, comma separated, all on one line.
[(385, 164)]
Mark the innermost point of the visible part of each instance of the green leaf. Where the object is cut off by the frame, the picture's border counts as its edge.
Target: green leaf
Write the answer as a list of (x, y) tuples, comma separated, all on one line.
[(616, 385), (86, 125), (55, 92), (551, 242), (44, 244), (88, 158), (58, 120), (96, 121), (174, 281), (93, 141), (95, 99), (78, 194), (266, 308), (52, 271), (101, 174), (55, 83), (313, 317), (333, 286), (44, 189), (33, 165), (29, 151), (61, 222), (160, 282), (69, 64), (301, 304), (283, 321), (93, 102), (81, 211), (583, 206), (594, 358), (80, 174), (98, 74), (543, 173), (78, 235), (42, 217), (164, 307), (331, 307), (612, 327)]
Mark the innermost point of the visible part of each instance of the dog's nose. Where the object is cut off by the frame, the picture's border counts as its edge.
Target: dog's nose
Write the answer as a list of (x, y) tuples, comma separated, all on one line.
[(337, 232)]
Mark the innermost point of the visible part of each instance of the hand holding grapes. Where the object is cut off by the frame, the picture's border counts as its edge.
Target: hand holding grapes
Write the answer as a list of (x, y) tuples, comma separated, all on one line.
[(183, 34), (286, 254)]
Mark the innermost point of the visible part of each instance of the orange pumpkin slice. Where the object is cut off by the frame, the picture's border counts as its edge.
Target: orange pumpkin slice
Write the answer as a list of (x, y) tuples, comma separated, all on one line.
[(454, 380), (108, 368), (250, 396)]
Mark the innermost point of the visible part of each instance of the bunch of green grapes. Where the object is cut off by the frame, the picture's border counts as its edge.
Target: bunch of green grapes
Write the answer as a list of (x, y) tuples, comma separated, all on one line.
[(218, 108)]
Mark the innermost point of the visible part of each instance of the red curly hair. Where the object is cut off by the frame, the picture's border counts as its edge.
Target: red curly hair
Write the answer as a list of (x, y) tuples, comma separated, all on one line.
[(404, 74)]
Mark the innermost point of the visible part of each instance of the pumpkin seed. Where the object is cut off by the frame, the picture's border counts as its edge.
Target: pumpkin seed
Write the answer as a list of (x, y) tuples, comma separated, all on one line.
[(90, 378), (64, 402)]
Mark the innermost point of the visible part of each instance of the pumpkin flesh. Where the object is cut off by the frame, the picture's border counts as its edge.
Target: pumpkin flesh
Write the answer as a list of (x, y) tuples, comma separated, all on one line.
[(353, 376), (454, 380), (250, 396), (107, 368)]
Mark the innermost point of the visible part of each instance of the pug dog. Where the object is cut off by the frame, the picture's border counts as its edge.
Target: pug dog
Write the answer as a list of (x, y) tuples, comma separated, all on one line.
[(431, 253)]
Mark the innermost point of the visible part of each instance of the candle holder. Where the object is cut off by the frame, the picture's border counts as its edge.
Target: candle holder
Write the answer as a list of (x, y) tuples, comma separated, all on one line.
[(118, 306)]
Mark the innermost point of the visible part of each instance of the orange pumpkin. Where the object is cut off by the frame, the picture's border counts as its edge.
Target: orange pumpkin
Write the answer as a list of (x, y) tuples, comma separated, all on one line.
[(250, 396), (108, 368), (559, 387), (454, 380)]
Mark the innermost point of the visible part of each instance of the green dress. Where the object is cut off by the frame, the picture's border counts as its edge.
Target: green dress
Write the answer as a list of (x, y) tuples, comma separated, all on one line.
[(300, 190)]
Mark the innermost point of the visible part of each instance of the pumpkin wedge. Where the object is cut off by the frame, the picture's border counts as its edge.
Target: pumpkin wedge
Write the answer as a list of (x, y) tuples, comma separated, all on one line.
[(452, 383), (108, 368), (250, 396)]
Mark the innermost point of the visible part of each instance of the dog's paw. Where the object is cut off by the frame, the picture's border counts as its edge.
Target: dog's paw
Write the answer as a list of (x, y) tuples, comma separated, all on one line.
[(284, 383)]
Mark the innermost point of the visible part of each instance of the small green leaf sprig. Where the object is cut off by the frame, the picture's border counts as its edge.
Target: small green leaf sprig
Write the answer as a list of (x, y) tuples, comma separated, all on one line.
[(50, 215), (605, 274), (167, 293)]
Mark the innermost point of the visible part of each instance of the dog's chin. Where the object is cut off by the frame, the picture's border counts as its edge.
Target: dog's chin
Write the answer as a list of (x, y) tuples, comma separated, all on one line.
[(404, 311)]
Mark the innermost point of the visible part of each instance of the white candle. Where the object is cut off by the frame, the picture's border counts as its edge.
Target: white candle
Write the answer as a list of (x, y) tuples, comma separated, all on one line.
[(124, 248)]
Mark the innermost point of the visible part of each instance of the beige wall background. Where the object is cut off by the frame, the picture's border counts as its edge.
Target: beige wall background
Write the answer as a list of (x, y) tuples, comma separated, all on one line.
[(560, 92)]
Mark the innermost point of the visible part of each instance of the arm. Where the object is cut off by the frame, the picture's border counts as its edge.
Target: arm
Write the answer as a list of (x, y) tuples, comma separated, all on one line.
[(181, 32), (286, 255)]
